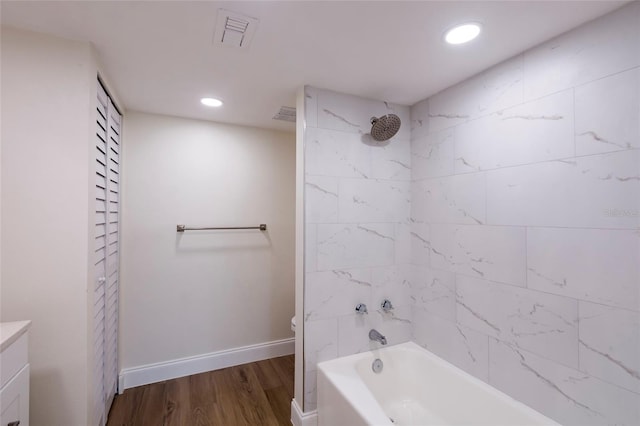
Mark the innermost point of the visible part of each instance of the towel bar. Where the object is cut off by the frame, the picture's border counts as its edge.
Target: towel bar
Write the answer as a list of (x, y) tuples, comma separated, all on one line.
[(182, 228)]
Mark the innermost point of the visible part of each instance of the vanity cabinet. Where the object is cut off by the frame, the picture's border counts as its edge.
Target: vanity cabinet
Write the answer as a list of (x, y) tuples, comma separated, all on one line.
[(14, 373)]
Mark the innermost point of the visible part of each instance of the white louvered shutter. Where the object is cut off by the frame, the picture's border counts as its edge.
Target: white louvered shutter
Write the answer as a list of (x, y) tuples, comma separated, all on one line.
[(107, 144)]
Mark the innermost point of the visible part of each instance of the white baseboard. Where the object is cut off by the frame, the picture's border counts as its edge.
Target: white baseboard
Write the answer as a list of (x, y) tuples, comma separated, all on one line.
[(300, 418), (158, 372)]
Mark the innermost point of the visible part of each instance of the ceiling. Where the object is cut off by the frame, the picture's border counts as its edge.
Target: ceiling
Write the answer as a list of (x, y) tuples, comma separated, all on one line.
[(160, 56)]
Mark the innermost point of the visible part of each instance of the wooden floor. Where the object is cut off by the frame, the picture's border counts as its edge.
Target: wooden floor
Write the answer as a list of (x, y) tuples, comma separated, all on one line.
[(253, 394)]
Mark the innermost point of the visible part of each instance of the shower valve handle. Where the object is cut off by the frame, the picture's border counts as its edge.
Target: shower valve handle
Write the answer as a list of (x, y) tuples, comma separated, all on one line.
[(386, 305), (361, 308)]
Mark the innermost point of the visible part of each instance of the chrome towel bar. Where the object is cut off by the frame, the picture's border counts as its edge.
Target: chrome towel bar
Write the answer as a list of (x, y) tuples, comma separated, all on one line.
[(182, 228)]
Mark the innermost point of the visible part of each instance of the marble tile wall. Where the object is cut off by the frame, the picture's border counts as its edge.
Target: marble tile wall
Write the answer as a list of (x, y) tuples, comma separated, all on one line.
[(358, 237), (525, 195)]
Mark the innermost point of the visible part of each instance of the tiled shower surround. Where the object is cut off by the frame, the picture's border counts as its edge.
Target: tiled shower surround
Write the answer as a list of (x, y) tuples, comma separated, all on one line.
[(503, 221), (357, 236)]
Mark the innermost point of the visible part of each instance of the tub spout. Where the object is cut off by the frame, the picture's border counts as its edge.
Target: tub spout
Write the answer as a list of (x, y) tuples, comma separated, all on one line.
[(377, 337)]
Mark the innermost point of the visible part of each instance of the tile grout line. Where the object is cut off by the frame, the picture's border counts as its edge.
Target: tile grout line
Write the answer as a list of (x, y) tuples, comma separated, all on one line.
[(578, 332), (526, 257), (575, 139), (534, 163)]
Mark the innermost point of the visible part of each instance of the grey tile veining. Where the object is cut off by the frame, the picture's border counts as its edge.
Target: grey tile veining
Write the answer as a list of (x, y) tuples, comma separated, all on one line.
[(598, 191), (496, 253), (336, 154), (392, 283), (391, 160), (597, 265), (321, 199), (371, 200), (329, 294), (310, 390), (434, 291), (355, 245), (604, 47), (311, 106), (346, 113), (452, 199), (320, 341), (535, 131), (419, 119), (420, 244), (541, 323), (610, 344), (495, 89), (562, 393), (463, 347), (432, 155), (353, 332), (310, 247), (403, 243), (608, 114)]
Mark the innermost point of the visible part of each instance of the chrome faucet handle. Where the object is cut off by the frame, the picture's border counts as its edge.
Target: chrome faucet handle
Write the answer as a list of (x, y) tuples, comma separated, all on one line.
[(386, 305), (361, 308)]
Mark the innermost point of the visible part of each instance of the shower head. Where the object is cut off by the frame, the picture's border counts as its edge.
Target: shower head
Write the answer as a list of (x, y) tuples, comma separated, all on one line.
[(385, 127)]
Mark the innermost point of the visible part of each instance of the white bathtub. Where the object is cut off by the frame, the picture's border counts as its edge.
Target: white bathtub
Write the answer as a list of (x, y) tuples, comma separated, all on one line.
[(415, 387)]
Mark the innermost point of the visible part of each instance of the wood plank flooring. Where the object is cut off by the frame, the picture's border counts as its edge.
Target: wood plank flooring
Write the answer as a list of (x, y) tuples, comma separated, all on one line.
[(256, 394)]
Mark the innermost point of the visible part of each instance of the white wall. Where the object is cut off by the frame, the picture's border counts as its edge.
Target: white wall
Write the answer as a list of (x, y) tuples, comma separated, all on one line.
[(526, 183), (194, 293), (48, 92), (357, 240)]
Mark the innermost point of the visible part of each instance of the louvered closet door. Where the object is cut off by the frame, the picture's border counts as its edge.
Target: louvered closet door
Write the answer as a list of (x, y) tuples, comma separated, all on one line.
[(106, 255), (100, 259), (111, 291)]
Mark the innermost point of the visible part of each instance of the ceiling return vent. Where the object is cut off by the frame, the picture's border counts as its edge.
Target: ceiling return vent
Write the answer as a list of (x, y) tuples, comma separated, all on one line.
[(234, 29), (286, 114)]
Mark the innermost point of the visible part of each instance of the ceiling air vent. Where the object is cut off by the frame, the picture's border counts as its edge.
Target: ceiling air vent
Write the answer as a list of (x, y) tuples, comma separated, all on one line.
[(234, 29), (286, 114)]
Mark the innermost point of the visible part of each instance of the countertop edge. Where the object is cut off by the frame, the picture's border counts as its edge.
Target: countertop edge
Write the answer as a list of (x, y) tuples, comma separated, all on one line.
[(12, 331)]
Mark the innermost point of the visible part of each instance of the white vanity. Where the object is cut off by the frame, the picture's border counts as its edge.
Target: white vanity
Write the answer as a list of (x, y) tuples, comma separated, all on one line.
[(14, 373)]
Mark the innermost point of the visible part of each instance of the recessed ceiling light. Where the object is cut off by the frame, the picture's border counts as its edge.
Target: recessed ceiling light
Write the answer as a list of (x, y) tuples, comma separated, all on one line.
[(462, 33), (212, 102)]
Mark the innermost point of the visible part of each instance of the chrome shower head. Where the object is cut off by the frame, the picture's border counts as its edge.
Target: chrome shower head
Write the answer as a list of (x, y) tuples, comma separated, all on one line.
[(385, 127)]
